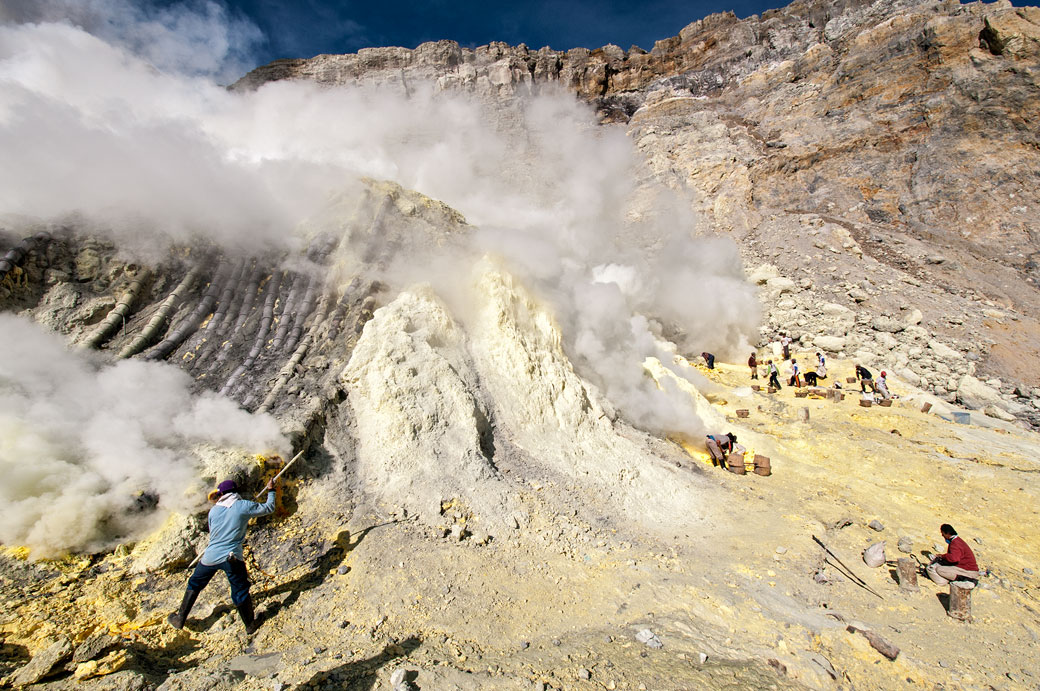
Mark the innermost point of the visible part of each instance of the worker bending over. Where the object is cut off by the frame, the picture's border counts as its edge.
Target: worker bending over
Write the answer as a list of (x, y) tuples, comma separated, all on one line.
[(228, 521), (719, 447), (958, 563)]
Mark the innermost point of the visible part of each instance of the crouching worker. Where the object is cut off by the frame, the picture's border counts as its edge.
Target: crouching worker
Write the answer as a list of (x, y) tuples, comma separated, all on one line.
[(720, 446), (957, 564), (228, 521)]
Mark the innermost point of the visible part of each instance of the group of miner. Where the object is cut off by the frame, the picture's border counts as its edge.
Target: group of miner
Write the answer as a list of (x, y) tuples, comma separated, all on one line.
[(230, 514), (958, 562)]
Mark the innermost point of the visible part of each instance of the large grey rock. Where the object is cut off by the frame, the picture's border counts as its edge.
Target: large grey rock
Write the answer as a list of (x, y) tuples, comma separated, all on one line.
[(649, 639), (261, 665), (762, 273), (944, 351), (999, 413), (833, 309), (781, 284), (175, 545), (832, 344), (42, 663), (976, 395), (95, 644), (887, 324)]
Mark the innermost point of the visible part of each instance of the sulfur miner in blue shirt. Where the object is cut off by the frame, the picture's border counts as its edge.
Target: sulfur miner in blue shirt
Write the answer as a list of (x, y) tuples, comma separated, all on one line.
[(228, 521)]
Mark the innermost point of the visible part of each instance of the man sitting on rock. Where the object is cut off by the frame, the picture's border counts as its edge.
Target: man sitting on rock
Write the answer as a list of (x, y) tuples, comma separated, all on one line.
[(958, 563), (228, 520)]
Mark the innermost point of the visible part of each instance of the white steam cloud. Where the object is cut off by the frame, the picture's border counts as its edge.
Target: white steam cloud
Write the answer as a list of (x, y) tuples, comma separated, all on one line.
[(127, 134), (198, 37), (80, 444)]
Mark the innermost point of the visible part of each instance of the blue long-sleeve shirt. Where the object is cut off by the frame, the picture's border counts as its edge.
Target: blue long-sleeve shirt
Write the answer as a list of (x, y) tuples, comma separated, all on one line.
[(228, 521)]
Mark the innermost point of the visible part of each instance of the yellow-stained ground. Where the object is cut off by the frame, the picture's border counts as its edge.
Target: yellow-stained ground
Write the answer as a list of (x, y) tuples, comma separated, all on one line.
[(565, 595)]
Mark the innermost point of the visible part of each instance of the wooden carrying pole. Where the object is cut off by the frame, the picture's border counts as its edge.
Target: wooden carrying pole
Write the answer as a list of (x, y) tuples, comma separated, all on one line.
[(845, 570)]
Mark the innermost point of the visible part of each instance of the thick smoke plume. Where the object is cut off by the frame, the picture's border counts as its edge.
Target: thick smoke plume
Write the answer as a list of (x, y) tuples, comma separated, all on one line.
[(100, 129), (86, 450)]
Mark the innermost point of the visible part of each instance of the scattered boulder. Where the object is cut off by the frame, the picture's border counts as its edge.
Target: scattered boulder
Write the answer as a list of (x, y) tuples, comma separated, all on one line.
[(95, 644), (887, 324), (256, 665), (781, 284), (858, 295), (876, 525), (762, 273), (832, 309), (913, 317), (998, 413), (173, 546), (943, 351), (906, 545), (649, 639), (43, 663), (976, 395), (831, 344)]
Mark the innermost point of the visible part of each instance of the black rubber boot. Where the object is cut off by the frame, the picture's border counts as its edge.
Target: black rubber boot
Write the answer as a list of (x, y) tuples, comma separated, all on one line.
[(245, 610), (178, 618)]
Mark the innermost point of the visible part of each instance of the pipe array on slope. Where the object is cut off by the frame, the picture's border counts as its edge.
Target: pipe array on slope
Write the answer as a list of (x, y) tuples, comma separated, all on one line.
[(118, 314), (17, 254), (155, 324), (189, 324)]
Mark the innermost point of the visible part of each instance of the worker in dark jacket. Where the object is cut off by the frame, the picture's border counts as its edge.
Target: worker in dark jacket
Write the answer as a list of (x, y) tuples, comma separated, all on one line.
[(865, 379), (228, 521), (752, 362), (958, 563)]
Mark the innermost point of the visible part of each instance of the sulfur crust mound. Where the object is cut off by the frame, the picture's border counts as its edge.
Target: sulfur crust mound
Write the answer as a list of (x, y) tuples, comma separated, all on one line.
[(547, 409), (419, 421), (424, 389)]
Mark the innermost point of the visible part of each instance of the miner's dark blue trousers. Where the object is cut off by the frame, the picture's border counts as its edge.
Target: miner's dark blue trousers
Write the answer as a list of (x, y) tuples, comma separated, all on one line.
[(236, 575)]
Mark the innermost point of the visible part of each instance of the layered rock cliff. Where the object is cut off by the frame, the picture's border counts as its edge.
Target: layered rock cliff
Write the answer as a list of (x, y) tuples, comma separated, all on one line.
[(905, 126)]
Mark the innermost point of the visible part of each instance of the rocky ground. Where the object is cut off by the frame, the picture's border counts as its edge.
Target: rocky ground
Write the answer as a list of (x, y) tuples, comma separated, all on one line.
[(523, 574), (470, 513), (353, 594)]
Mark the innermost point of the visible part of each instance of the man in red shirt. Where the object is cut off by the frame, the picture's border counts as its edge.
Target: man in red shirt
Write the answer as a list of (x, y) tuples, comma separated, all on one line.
[(958, 562)]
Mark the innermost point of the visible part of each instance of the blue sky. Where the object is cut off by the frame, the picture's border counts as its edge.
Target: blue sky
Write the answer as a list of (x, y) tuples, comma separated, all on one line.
[(304, 28)]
